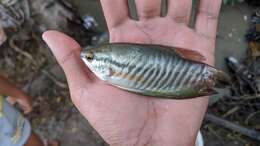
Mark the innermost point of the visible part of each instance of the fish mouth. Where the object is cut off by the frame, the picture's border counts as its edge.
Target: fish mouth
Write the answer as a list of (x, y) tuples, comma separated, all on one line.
[(85, 50), (83, 58)]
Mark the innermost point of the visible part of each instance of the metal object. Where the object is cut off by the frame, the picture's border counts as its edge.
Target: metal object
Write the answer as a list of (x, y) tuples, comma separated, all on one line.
[(245, 77), (90, 23)]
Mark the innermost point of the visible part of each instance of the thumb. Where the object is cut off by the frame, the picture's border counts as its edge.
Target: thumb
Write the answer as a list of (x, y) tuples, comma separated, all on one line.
[(67, 52)]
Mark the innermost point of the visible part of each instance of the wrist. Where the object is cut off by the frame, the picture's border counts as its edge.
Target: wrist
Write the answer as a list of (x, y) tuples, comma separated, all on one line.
[(180, 140), (173, 135)]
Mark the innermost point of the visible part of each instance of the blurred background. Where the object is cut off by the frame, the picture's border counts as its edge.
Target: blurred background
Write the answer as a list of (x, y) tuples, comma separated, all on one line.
[(233, 117)]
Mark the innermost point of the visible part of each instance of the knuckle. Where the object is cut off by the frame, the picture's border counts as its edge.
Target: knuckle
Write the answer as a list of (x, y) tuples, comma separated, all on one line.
[(208, 14)]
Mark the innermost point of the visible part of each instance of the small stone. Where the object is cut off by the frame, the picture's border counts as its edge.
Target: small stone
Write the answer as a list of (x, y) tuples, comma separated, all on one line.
[(245, 17), (3, 36), (230, 35)]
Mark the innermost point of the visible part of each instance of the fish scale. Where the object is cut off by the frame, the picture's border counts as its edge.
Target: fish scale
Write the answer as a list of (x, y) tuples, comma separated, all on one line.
[(148, 78), (152, 70), (180, 75), (138, 71), (193, 75), (173, 74), (157, 74), (185, 78), (166, 77)]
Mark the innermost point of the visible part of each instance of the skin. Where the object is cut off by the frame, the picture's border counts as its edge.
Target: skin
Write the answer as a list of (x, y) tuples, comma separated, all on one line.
[(34, 140), (123, 118), (16, 95)]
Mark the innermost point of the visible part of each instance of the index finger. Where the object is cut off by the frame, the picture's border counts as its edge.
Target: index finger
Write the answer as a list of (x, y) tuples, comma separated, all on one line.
[(116, 12)]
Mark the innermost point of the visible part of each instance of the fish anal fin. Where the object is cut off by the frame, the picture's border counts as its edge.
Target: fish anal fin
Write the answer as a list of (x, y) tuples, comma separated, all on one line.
[(190, 54), (207, 91)]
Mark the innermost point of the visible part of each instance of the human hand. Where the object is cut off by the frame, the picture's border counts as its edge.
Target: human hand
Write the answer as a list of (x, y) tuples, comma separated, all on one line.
[(15, 95), (124, 118), (24, 101)]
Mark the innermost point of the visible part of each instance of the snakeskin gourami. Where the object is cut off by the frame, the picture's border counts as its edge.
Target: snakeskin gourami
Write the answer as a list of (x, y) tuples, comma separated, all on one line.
[(153, 70)]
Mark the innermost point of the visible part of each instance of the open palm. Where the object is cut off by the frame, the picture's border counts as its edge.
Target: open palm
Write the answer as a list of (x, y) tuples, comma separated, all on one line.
[(124, 118)]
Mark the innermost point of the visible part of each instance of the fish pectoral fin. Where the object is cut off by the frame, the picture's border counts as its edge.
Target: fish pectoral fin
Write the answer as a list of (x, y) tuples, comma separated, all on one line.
[(190, 54), (207, 91)]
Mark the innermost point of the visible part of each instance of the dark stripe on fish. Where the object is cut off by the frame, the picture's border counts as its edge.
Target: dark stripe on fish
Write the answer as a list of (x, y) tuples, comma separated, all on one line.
[(174, 74), (147, 77), (181, 75), (191, 74)]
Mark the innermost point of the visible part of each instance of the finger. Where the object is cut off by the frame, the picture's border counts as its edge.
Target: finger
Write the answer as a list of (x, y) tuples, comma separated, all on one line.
[(27, 110), (11, 100), (67, 52), (116, 12), (207, 17), (148, 8), (180, 10)]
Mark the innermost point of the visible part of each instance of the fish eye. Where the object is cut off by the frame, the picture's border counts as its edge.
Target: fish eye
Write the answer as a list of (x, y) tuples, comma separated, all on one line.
[(90, 56)]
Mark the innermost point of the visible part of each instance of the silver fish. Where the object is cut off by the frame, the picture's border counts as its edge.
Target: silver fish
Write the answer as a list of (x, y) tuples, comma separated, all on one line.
[(154, 70)]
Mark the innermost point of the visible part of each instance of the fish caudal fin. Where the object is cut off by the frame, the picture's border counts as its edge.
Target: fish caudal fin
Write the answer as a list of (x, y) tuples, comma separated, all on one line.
[(221, 79)]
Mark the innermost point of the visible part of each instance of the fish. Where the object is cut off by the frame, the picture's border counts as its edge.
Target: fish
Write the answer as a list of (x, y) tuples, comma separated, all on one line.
[(154, 70)]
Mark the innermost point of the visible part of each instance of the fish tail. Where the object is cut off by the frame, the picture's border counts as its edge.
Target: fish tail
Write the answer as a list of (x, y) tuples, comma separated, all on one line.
[(221, 78)]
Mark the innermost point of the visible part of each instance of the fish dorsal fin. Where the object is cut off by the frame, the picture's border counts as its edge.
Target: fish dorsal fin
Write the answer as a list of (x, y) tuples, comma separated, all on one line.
[(190, 54)]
